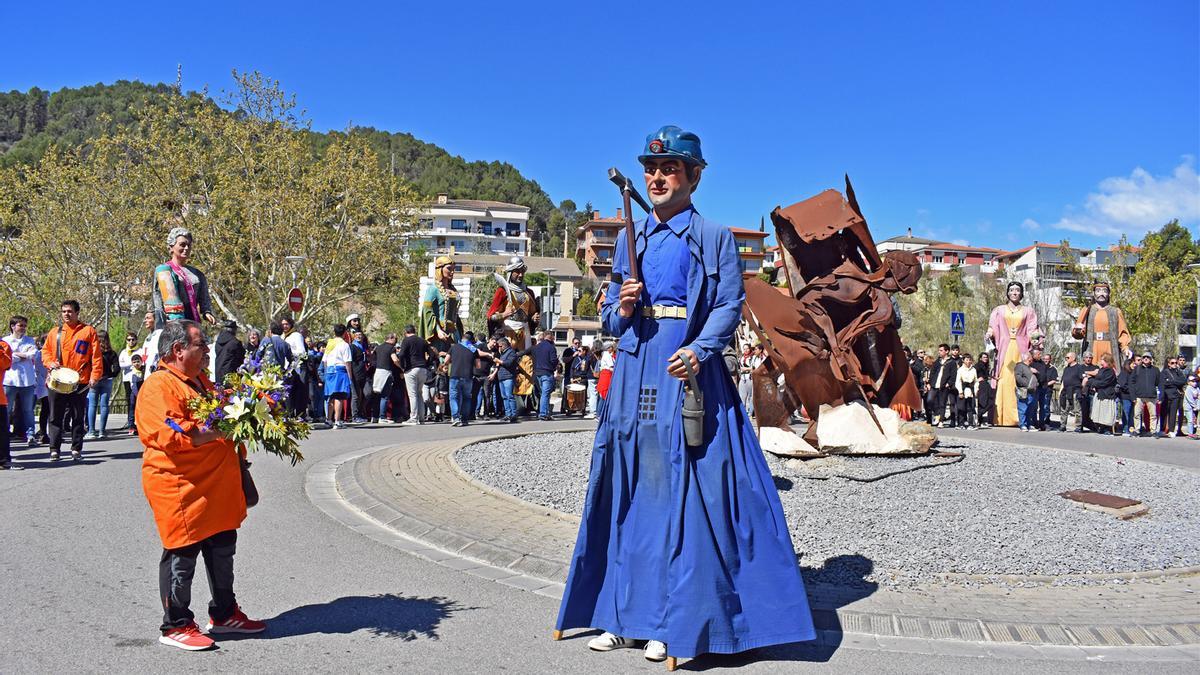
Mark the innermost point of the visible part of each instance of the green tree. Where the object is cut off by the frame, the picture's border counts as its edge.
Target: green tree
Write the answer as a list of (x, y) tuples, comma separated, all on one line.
[(247, 185), (586, 305), (1176, 247), (925, 314)]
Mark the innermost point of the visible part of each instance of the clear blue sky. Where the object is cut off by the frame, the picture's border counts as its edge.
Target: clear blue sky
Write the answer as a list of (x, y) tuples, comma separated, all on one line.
[(991, 123)]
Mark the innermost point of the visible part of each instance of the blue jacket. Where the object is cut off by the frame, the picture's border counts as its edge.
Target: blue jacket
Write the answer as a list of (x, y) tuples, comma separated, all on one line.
[(545, 358), (508, 364), (715, 292)]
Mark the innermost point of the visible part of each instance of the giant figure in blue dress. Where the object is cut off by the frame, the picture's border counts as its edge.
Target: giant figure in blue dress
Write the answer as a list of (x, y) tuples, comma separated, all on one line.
[(685, 547)]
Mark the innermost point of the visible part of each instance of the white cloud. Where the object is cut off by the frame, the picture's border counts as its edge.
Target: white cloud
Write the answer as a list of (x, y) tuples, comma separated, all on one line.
[(1135, 204), (960, 242)]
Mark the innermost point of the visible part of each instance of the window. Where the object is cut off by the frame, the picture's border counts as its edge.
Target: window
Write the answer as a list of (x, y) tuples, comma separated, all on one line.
[(485, 226), (753, 266), (937, 257), (458, 224), (512, 229), (512, 247)]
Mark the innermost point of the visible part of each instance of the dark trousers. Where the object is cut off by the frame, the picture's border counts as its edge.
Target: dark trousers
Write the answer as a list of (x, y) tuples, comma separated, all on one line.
[(1171, 409), (354, 410), (947, 404), (5, 448), (477, 385), (966, 412), (494, 401), (176, 569), (44, 416), (127, 387), (67, 408), (1043, 407), (134, 387), (985, 402), (298, 395)]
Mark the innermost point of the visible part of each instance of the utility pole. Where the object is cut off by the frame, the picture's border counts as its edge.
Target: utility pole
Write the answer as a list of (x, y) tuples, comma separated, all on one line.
[(106, 285)]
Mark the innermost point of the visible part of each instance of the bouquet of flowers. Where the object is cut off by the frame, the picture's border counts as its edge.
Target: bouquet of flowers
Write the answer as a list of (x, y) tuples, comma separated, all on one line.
[(250, 408)]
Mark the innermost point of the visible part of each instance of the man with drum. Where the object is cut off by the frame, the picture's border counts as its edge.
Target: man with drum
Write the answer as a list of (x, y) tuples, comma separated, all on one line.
[(72, 357)]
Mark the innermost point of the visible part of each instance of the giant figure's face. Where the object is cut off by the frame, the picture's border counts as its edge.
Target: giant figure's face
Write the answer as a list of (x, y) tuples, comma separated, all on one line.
[(182, 248), (1100, 295), (668, 182), (1015, 293)]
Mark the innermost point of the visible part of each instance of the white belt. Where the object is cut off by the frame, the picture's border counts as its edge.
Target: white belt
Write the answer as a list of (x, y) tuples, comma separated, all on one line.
[(1103, 336), (664, 312)]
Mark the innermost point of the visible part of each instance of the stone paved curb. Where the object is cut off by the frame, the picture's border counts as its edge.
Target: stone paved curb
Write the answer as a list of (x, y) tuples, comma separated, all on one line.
[(414, 498)]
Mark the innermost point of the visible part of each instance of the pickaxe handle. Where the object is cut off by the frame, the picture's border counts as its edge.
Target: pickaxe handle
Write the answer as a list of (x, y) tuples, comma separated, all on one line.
[(628, 192)]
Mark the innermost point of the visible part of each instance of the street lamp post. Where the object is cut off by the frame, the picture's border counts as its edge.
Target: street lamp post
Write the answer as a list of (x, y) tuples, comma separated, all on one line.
[(1196, 349), (106, 285), (548, 311)]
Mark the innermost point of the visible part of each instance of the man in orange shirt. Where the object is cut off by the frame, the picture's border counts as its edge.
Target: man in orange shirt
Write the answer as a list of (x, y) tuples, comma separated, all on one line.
[(192, 478), (71, 344)]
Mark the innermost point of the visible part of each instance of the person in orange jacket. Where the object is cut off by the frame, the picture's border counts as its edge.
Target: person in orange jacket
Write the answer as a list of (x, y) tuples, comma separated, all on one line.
[(192, 479), (5, 449), (71, 344)]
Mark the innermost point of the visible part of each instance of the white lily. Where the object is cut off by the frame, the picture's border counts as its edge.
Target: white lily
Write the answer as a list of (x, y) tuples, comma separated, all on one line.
[(237, 408), (261, 410)]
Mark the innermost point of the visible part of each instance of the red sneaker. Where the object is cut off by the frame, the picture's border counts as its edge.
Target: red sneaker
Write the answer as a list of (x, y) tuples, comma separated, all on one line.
[(188, 637), (238, 622)]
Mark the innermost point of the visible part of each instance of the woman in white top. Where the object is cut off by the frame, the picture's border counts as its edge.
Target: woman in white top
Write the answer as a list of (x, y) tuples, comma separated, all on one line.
[(965, 384), (125, 360), (20, 381)]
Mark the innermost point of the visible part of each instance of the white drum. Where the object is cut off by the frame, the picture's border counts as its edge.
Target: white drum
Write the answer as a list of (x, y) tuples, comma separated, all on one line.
[(63, 380)]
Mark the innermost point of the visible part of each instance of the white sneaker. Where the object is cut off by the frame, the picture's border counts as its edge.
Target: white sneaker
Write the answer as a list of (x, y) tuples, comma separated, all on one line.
[(655, 651), (608, 642)]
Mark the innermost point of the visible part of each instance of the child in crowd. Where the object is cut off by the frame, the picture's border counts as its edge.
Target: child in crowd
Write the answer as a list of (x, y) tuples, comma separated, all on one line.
[(965, 384), (1191, 405)]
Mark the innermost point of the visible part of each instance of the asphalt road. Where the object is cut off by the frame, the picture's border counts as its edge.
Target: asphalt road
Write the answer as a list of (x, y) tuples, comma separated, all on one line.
[(79, 555)]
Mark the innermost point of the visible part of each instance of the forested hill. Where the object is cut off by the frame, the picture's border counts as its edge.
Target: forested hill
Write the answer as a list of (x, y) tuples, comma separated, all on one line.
[(31, 121)]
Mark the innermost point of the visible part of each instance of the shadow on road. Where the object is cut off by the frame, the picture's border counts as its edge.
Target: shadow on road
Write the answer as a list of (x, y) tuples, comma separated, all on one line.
[(388, 615), (40, 458), (840, 581)]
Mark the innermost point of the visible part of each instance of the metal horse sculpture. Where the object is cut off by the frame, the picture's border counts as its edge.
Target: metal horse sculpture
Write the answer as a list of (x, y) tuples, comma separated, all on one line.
[(834, 337)]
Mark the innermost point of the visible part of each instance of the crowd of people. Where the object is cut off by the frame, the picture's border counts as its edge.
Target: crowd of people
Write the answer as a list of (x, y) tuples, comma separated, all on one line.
[(340, 380), (1137, 399)]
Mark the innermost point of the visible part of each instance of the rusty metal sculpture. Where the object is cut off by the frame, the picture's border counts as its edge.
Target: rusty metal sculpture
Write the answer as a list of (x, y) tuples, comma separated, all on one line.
[(834, 336)]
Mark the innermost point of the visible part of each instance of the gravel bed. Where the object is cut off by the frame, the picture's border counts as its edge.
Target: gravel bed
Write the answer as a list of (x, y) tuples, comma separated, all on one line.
[(997, 512)]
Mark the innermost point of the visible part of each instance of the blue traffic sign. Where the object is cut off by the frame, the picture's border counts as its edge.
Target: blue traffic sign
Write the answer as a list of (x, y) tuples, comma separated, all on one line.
[(958, 323)]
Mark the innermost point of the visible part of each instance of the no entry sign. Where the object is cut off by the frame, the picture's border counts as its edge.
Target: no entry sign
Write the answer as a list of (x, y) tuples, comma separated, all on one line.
[(296, 299)]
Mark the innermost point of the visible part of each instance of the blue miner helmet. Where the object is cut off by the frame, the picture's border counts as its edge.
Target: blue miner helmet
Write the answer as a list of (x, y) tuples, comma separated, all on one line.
[(675, 143)]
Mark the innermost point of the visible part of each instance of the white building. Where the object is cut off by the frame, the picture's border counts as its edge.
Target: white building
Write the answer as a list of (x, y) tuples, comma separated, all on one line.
[(472, 226)]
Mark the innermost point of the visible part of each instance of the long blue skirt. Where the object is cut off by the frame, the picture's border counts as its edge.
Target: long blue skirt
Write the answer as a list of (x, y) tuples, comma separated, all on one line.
[(684, 545)]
